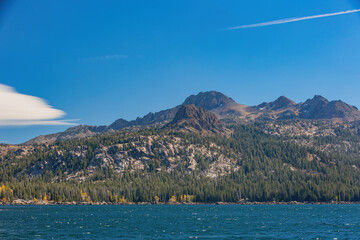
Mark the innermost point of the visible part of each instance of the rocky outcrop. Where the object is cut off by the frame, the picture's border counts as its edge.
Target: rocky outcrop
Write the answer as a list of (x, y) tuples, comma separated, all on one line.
[(164, 152), (196, 119)]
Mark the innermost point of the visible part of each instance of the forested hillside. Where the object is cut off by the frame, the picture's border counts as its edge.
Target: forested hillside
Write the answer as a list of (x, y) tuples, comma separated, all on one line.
[(261, 161)]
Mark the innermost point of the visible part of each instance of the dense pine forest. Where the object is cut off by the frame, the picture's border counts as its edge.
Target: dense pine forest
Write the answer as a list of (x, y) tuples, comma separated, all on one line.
[(161, 165)]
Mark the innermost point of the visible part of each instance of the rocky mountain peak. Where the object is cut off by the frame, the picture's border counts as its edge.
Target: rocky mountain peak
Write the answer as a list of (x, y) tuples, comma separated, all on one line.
[(280, 103), (317, 99), (208, 100), (320, 108), (283, 101), (310, 108), (196, 119), (119, 124)]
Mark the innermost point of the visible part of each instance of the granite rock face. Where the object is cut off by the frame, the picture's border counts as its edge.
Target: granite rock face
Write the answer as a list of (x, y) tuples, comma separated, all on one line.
[(196, 119)]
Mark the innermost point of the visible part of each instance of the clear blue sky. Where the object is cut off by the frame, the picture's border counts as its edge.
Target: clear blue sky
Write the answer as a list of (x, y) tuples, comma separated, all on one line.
[(103, 60)]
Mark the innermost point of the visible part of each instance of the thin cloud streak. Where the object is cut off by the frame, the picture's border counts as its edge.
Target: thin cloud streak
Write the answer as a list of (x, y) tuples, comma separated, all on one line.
[(107, 57), (14, 123), (289, 20)]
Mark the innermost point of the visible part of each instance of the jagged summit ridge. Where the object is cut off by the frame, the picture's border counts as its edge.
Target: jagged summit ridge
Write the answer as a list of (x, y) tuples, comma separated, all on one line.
[(310, 108), (213, 101), (224, 107), (320, 108)]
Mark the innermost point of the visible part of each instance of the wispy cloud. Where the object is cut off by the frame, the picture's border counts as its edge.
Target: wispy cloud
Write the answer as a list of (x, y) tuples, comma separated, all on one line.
[(107, 57), (20, 109), (38, 122), (289, 20)]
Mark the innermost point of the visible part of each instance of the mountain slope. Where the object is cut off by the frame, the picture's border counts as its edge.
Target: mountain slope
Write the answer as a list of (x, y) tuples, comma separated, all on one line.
[(139, 165)]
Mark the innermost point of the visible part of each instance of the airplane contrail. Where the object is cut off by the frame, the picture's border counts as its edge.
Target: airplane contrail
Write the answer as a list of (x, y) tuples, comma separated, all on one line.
[(289, 20)]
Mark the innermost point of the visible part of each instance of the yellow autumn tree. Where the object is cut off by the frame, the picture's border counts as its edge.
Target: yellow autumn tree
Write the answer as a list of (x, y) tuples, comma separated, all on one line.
[(85, 197), (6, 193), (122, 200), (187, 198), (3, 193), (46, 198), (172, 199)]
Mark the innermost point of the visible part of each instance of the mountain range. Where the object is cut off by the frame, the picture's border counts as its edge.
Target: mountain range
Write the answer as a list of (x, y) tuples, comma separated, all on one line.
[(209, 147), (225, 108)]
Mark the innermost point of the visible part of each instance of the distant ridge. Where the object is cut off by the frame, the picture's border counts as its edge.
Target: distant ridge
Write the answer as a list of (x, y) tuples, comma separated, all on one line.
[(80, 131)]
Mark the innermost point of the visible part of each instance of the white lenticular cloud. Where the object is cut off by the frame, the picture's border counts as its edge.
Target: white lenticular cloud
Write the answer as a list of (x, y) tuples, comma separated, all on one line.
[(289, 20), (21, 109)]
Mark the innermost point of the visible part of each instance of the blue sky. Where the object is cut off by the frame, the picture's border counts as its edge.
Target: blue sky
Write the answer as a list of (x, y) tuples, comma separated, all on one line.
[(98, 61)]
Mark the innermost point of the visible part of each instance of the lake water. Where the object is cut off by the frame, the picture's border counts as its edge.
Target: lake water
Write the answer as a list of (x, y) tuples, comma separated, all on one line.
[(181, 222)]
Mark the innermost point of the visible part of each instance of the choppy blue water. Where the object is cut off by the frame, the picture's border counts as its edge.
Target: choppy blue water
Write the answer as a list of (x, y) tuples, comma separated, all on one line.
[(181, 222)]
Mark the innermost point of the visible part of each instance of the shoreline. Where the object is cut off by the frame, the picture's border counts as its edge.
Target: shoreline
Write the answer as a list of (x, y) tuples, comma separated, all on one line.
[(18, 202)]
